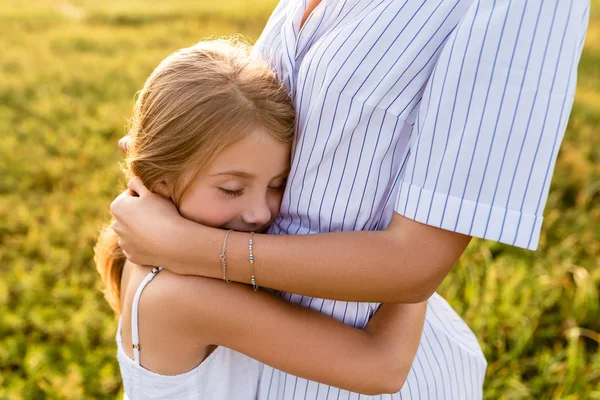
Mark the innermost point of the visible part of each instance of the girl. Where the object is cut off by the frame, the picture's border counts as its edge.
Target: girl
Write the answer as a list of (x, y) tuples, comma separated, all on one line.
[(211, 131)]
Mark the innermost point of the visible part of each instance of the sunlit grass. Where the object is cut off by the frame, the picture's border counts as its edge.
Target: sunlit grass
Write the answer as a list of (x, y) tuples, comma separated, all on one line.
[(68, 74)]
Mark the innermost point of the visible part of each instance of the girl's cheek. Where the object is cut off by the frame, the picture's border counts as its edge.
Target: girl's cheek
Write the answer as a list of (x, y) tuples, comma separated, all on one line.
[(221, 210), (204, 208)]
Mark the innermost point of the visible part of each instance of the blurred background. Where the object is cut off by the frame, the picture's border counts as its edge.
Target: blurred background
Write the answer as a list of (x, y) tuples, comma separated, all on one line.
[(69, 71)]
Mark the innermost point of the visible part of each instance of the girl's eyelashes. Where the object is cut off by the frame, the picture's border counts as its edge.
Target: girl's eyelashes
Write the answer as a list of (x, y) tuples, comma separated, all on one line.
[(239, 192), (232, 193), (279, 188)]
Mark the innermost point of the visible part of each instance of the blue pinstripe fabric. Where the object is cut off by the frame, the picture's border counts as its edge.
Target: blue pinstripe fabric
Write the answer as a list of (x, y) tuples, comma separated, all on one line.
[(449, 112)]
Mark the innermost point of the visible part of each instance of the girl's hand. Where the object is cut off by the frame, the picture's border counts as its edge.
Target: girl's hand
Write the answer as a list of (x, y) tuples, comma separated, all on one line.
[(146, 224)]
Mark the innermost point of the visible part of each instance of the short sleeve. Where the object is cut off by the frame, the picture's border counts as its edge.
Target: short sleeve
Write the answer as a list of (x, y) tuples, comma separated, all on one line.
[(492, 119)]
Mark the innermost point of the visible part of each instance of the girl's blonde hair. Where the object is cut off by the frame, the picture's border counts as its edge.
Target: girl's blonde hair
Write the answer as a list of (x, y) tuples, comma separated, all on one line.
[(198, 101)]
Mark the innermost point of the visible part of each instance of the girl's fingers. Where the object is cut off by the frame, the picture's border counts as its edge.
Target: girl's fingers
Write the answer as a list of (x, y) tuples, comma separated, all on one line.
[(123, 143)]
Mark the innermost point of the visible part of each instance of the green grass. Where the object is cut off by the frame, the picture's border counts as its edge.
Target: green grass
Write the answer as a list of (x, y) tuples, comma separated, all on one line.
[(68, 75)]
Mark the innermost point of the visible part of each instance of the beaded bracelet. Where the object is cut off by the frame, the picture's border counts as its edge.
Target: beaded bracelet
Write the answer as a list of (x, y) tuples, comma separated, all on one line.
[(224, 257), (251, 259)]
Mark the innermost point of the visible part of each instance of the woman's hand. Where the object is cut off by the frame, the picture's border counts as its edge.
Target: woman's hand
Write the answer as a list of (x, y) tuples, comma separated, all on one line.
[(146, 224)]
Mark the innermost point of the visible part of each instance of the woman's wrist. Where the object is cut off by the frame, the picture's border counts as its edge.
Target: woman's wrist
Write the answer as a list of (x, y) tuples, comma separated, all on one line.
[(175, 246), (192, 249)]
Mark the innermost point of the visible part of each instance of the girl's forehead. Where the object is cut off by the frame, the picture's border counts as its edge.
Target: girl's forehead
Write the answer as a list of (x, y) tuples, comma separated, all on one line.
[(255, 156)]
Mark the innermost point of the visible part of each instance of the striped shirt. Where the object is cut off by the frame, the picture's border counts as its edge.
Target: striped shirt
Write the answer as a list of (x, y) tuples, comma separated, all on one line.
[(449, 112)]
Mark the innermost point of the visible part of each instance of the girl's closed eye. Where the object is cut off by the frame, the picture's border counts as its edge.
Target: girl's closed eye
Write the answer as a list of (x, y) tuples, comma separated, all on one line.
[(232, 193), (278, 188), (278, 185)]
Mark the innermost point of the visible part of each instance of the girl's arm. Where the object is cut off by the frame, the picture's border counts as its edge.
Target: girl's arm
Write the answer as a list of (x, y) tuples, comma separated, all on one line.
[(291, 338), (404, 263)]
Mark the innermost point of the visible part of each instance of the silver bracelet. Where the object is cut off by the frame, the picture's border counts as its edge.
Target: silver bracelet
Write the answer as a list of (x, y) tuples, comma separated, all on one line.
[(224, 257), (251, 259)]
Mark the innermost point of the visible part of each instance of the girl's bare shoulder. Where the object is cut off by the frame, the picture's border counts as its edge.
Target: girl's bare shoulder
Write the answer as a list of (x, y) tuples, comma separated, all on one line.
[(193, 306), (167, 288), (177, 300), (166, 323)]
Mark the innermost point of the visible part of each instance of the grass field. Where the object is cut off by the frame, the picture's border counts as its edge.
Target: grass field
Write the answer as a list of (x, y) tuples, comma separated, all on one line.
[(68, 75)]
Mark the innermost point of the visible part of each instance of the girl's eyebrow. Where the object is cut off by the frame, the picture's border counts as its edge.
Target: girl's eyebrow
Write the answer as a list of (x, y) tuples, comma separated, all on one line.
[(246, 175), (239, 174)]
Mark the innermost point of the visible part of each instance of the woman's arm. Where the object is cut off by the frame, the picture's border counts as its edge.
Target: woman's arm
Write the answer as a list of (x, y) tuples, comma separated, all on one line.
[(294, 339), (404, 263)]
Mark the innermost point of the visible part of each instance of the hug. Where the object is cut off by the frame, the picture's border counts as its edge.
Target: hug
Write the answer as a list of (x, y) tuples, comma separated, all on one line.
[(294, 205)]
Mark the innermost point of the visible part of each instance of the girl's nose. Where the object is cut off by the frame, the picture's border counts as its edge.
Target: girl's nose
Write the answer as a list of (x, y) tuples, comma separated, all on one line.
[(259, 214)]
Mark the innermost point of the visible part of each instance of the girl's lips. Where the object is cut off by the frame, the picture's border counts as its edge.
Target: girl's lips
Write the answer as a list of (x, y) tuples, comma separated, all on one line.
[(236, 229)]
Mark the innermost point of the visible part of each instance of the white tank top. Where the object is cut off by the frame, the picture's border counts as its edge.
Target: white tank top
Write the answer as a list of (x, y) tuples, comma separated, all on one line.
[(225, 374)]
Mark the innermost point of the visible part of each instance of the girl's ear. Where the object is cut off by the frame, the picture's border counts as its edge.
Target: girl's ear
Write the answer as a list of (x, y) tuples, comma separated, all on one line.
[(163, 188)]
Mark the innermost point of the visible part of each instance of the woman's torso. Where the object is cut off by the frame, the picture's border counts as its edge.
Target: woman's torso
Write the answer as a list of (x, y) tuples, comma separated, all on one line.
[(357, 72)]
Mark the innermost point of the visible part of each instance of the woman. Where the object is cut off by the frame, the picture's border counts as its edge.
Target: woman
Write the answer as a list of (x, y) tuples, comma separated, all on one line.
[(425, 122)]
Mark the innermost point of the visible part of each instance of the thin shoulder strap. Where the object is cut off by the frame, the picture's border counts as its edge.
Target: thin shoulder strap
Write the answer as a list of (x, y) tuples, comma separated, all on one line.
[(135, 337)]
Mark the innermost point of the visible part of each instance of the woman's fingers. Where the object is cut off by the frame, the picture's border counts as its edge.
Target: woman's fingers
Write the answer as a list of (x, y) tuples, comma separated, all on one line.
[(115, 226), (114, 206), (119, 205), (137, 186)]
